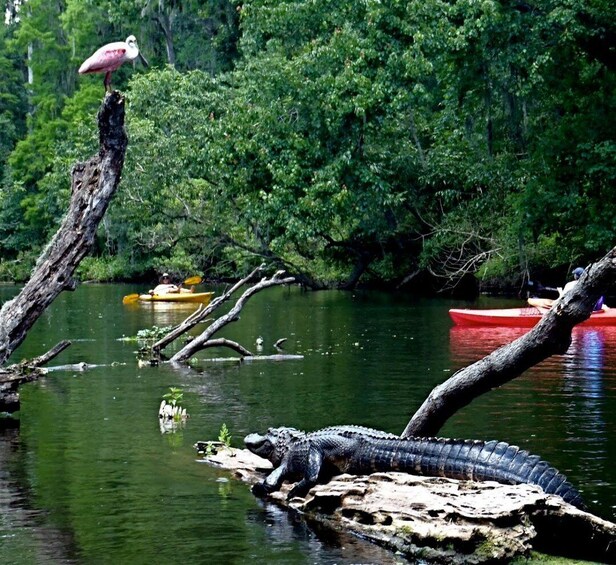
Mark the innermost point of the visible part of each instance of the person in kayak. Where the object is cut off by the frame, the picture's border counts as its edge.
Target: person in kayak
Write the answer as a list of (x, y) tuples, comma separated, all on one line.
[(577, 273), (165, 286), (544, 304)]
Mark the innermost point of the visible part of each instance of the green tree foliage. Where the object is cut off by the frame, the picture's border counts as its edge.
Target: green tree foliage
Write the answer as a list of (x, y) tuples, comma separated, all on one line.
[(47, 41), (343, 139), (12, 98)]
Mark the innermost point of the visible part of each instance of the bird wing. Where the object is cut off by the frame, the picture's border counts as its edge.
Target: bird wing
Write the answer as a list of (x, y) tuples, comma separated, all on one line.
[(107, 58)]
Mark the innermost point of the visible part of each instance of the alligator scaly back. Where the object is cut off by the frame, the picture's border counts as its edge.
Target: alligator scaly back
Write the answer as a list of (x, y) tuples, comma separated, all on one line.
[(462, 459)]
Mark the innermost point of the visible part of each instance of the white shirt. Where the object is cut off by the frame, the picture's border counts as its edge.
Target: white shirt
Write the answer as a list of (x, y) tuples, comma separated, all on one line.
[(165, 289), (569, 286)]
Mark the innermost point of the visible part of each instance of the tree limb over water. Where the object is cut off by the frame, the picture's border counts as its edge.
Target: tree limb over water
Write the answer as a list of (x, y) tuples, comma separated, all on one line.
[(551, 336), (93, 185)]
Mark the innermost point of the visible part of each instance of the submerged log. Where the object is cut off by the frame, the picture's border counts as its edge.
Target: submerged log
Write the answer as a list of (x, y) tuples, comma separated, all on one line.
[(441, 520), (93, 185)]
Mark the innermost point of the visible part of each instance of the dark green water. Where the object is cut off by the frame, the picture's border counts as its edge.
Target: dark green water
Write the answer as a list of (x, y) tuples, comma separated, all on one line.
[(90, 478)]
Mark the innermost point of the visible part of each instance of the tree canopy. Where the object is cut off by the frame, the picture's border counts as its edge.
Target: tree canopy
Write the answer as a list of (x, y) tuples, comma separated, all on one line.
[(350, 142)]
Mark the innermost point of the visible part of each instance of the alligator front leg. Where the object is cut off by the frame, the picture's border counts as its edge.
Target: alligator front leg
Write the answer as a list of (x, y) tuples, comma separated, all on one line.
[(311, 474), (272, 482)]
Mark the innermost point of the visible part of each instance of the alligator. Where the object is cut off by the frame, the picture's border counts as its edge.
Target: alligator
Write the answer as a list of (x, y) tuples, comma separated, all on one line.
[(318, 456)]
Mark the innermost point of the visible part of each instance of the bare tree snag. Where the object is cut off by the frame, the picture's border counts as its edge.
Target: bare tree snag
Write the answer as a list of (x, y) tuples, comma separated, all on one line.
[(93, 185), (552, 335), (201, 314), (201, 342)]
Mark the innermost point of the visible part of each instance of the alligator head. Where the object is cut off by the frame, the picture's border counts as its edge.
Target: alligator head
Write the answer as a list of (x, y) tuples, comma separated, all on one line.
[(274, 445)]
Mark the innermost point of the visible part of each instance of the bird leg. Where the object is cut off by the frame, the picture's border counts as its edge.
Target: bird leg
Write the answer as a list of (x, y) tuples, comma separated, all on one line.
[(107, 81)]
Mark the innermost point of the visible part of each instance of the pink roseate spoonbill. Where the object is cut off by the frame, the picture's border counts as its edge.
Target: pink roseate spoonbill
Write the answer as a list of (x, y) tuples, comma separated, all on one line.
[(110, 57)]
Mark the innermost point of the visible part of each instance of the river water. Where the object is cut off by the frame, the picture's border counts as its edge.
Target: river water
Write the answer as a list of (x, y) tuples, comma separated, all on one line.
[(89, 477)]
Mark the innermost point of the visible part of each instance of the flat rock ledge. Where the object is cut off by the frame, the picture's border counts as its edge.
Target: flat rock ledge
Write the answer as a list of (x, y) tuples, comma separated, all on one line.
[(439, 520)]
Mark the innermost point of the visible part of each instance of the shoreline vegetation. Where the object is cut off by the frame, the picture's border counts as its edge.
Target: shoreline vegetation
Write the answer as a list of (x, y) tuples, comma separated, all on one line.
[(425, 284), (428, 146)]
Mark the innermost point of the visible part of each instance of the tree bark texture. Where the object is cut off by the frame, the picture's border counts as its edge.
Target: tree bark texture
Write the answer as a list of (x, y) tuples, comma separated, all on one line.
[(93, 185), (552, 335)]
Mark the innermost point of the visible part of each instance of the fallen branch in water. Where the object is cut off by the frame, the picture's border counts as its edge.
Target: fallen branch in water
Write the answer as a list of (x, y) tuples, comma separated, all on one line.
[(233, 315), (201, 314), (205, 340)]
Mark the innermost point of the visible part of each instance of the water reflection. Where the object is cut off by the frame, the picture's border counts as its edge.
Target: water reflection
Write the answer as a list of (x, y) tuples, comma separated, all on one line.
[(468, 344), (161, 313), (567, 398), (589, 349), (91, 460), (324, 545), (583, 372), (24, 530)]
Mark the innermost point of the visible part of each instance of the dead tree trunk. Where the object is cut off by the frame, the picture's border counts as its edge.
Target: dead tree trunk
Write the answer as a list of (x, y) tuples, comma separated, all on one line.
[(552, 335), (93, 185)]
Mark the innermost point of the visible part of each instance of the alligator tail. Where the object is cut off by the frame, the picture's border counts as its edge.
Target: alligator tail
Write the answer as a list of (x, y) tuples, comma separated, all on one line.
[(468, 459)]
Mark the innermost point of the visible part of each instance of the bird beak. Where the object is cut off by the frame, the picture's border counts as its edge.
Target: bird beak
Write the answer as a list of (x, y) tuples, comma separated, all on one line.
[(143, 60)]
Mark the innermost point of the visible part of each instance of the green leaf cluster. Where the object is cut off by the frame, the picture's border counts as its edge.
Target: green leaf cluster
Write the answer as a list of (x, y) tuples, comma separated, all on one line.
[(346, 141)]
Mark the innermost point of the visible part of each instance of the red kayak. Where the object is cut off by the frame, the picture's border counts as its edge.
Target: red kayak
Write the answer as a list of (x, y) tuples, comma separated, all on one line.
[(521, 317)]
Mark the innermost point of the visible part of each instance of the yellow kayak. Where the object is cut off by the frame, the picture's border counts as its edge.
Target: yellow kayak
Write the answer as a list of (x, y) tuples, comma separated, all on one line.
[(201, 297)]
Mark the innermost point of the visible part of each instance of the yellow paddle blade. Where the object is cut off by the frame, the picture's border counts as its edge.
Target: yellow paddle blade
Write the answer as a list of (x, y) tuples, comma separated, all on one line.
[(130, 298), (193, 280)]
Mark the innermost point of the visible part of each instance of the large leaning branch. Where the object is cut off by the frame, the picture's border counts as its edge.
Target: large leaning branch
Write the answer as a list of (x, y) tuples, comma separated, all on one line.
[(552, 335), (201, 341)]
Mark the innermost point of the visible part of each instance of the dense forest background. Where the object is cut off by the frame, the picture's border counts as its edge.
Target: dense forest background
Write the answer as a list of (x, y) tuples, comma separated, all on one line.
[(399, 143)]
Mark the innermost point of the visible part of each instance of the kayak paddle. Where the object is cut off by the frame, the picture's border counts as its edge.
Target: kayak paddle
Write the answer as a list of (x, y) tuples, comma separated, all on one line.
[(192, 281), (130, 298)]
